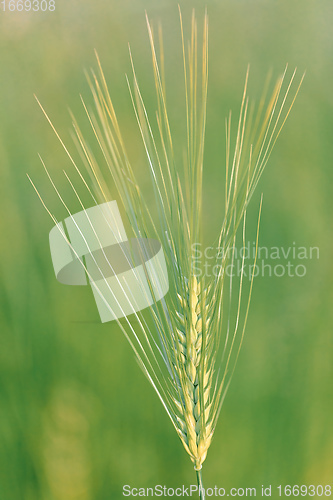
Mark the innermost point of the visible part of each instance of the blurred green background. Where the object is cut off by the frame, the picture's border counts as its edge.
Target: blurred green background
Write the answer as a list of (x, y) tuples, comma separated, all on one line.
[(77, 418)]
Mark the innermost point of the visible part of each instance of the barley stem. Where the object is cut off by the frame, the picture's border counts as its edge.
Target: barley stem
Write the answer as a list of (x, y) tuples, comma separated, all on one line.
[(200, 485)]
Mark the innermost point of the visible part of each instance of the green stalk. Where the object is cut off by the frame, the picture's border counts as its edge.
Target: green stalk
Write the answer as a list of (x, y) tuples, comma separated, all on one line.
[(200, 485)]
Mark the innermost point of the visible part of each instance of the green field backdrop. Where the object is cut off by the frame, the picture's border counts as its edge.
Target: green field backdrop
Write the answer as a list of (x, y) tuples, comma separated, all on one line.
[(78, 420)]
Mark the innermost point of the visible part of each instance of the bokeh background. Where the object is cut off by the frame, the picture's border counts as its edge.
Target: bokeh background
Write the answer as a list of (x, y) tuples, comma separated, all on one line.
[(77, 418)]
